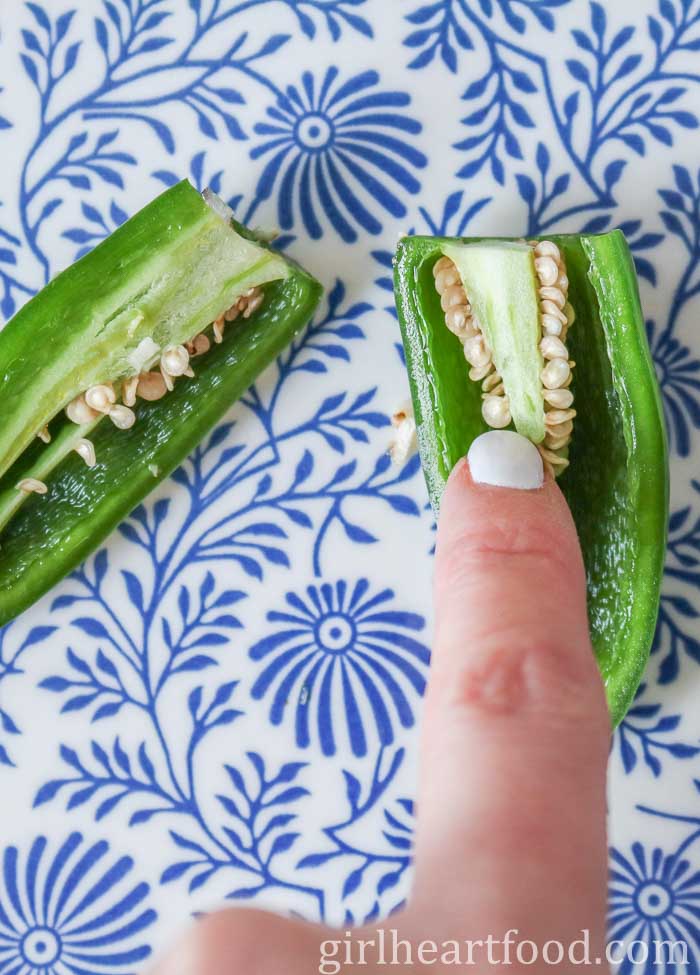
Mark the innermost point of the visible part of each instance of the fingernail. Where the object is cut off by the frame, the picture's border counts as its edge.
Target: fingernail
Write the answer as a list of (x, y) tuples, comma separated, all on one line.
[(505, 459)]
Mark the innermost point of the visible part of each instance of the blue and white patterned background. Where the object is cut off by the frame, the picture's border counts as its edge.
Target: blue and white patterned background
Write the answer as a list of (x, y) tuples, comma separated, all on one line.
[(222, 704)]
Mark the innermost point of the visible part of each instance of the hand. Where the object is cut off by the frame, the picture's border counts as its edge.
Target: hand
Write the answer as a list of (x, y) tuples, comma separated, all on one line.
[(511, 809)]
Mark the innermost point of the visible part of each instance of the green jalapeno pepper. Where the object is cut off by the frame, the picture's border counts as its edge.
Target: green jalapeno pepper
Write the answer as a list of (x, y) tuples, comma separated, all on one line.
[(554, 334), (144, 344)]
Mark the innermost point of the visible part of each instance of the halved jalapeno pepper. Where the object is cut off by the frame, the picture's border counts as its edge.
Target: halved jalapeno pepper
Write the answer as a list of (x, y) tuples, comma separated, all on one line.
[(113, 373), (554, 341)]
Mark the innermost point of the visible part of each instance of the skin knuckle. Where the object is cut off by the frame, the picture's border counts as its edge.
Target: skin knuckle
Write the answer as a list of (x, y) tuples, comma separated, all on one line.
[(474, 552), (508, 677)]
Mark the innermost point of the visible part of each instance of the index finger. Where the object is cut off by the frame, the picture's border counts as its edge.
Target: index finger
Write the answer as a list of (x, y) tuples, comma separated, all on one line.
[(516, 730)]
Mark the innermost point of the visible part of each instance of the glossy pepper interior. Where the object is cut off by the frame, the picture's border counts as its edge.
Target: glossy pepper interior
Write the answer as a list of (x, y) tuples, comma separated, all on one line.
[(617, 481)]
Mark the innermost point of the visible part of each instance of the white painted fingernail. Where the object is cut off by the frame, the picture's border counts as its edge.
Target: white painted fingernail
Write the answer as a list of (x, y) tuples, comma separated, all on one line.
[(505, 459)]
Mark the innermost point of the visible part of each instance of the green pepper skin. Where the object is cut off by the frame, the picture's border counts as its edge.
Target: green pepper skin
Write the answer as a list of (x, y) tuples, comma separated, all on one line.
[(52, 534), (617, 482)]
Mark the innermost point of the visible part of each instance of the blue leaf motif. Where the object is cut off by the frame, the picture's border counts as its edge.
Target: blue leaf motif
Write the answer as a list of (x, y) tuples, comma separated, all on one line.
[(578, 70), (90, 626), (655, 30), (47, 792), (316, 859), (683, 181), (195, 664), (40, 16), (207, 586), (244, 893), (521, 115), (194, 701), (596, 224), (37, 634), (598, 19), (613, 172), (273, 44), (31, 69), (236, 779), (628, 65), (352, 789), (289, 795), (353, 881), (660, 133), (423, 14), (31, 42), (526, 188), (120, 757), (153, 44), (282, 843), (63, 24), (357, 534), (208, 640), (623, 36), (571, 105), (156, 18), (71, 757), (56, 684), (166, 177), (523, 82), (71, 57), (176, 870), (78, 236), (388, 881), (4, 757), (230, 95), (403, 504), (582, 40), (105, 664), (79, 702), (110, 176), (102, 35), (134, 589), (667, 11), (304, 468)]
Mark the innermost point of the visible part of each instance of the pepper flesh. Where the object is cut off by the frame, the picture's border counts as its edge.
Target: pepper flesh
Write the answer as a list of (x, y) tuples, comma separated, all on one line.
[(43, 542), (617, 482)]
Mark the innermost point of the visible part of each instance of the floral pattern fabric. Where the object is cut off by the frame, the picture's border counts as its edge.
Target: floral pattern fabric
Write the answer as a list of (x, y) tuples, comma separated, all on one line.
[(221, 705)]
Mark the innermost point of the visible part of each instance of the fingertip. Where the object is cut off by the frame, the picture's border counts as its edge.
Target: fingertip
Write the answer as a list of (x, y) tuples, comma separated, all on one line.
[(503, 458)]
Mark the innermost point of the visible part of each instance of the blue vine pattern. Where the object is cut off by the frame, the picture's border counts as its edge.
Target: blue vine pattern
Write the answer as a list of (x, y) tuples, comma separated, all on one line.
[(193, 612), (644, 736)]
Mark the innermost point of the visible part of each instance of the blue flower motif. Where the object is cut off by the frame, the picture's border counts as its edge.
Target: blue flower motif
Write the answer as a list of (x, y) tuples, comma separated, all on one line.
[(338, 653), (70, 915), (653, 897), (341, 148), (679, 377)]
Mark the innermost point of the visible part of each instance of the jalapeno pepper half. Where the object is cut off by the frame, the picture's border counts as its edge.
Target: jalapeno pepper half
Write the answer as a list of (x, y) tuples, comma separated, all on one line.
[(111, 375), (555, 346)]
